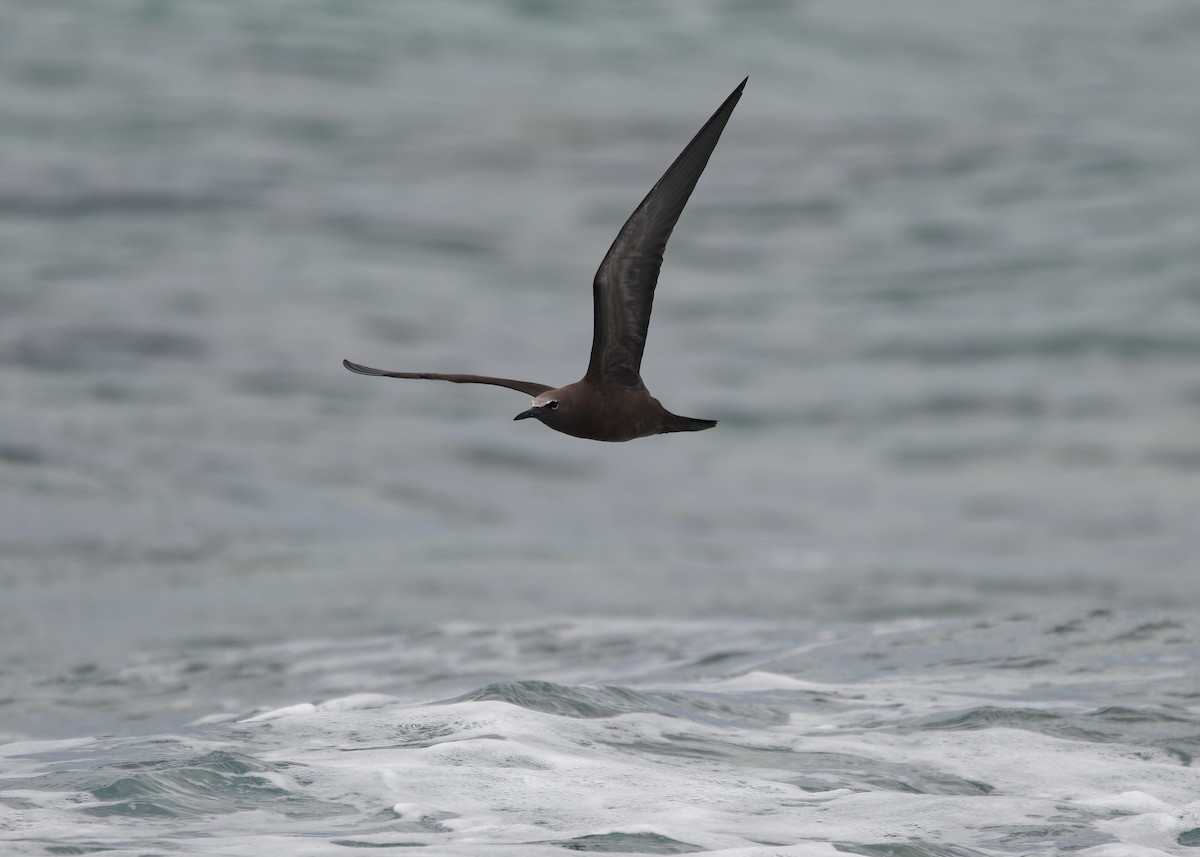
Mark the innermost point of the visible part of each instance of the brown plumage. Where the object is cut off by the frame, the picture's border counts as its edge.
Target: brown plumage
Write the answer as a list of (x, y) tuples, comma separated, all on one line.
[(610, 402)]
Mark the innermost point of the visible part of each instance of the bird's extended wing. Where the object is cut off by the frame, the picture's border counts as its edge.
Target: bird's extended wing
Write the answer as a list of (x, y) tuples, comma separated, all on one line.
[(623, 291), (529, 388)]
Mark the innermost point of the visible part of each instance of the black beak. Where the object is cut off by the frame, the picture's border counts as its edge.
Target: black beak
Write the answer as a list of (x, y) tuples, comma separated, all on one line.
[(524, 415)]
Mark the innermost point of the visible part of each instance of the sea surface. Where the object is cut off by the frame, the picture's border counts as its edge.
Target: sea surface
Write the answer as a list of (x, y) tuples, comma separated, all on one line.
[(930, 589)]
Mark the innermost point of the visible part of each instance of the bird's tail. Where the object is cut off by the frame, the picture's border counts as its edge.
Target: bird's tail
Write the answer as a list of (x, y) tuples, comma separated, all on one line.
[(687, 424)]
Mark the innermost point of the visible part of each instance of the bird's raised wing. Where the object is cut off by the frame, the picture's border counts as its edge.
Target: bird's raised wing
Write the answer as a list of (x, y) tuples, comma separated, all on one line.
[(529, 388), (623, 291)]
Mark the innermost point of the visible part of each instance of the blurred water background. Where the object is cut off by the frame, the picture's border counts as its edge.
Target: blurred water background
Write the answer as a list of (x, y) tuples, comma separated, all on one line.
[(940, 285)]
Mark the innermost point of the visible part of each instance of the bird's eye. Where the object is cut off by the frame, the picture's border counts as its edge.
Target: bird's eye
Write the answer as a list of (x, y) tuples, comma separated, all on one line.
[(552, 405)]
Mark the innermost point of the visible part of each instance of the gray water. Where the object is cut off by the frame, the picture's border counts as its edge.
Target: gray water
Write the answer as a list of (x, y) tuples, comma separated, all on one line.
[(940, 285)]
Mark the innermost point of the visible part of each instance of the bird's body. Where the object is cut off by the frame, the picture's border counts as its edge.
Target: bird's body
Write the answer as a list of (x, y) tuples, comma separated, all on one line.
[(606, 412), (610, 403)]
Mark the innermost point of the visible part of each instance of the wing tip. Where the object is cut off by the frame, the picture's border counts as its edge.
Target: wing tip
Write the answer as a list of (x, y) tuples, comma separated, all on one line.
[(360, 369)]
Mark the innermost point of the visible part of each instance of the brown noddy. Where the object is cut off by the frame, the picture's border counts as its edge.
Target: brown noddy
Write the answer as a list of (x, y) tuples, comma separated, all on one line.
[(610, 402)]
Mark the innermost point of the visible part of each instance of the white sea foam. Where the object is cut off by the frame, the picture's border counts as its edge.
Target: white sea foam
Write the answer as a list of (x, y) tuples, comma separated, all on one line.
[(1009, 750)]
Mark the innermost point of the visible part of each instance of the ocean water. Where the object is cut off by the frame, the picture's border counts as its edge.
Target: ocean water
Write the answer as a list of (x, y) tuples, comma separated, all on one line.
[(930, 587), (1047, 735)]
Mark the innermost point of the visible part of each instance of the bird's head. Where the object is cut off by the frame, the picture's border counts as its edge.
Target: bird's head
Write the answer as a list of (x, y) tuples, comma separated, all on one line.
[(546, 407)]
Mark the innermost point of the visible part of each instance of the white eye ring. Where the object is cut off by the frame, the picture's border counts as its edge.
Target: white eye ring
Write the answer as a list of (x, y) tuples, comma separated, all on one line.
[(552, 405)]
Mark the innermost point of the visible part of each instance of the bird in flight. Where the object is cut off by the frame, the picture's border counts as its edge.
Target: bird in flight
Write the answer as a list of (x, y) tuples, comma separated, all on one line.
[(610, 402)]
